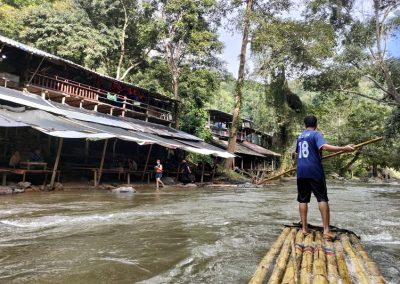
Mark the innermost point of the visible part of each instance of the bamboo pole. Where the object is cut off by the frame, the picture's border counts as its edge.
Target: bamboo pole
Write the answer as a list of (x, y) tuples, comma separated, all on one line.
[(293, 267), (53, 175), (282, 259), (265, 263), (102, 162), (341, 263), (319, 265), (372, 268), (306, 264), (332, 270), (355, 260), (324, 157), (147, 161)]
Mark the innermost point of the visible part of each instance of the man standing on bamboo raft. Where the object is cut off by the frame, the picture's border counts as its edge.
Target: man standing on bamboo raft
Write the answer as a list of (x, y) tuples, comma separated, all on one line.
[(311, 175)]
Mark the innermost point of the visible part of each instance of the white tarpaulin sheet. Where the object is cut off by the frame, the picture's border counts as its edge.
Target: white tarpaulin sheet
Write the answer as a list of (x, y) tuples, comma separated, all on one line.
[(53, 125), (80, 123), (26, 99), (120, 133), (7, 122), (75, 134)]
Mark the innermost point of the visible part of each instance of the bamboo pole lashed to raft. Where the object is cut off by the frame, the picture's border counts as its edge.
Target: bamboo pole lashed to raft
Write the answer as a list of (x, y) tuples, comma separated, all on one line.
[(371, 267), (280, 266), (341, 263), (266, 262), (324, 157), (319, 263), (331, 263), (293, 267), (355, 260)]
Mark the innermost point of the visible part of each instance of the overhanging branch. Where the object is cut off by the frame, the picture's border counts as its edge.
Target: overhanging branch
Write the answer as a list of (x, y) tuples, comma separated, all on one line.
[(367, 97)]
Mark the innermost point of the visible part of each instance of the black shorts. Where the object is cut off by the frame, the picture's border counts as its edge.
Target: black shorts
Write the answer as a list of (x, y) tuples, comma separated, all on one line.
[(307, 185)]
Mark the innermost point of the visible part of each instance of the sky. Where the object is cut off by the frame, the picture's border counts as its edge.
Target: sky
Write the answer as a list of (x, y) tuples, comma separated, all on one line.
[(232, 42)]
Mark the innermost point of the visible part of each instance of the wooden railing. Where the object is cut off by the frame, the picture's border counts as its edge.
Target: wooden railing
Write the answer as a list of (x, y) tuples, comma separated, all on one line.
[(223, 132), (87, 92)]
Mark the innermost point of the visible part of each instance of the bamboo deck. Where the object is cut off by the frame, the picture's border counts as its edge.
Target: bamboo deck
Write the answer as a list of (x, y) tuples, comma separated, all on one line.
[(294, 258)]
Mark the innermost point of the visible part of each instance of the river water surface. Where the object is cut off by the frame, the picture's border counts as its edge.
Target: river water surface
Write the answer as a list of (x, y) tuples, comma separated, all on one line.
[(176, 236)]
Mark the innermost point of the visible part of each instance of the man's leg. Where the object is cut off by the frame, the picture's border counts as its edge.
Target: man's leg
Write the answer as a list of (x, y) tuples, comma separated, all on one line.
[(325, 214), (303, 209), (157, 179)]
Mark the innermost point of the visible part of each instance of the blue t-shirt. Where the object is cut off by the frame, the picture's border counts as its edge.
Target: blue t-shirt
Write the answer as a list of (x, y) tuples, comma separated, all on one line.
[(308, 154)]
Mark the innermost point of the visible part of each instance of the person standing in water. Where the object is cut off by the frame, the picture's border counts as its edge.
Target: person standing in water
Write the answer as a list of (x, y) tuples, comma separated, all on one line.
[(159, 171), (311, 175)]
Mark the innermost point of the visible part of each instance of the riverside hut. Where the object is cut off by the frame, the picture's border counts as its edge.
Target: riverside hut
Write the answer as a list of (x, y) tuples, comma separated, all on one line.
[(86, 121)]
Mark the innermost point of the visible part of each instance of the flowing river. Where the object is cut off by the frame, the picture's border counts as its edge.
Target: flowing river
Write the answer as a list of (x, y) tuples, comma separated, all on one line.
[(191, 235)]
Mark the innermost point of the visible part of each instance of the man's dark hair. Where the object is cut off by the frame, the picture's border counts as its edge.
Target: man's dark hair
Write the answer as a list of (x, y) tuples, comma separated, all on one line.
[(310, 121)]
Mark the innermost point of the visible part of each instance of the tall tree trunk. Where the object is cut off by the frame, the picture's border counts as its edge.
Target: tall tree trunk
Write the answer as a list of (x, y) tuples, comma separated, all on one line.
[(239, 85), (175, 86), (175, 71), (122, 41), (380, 35)]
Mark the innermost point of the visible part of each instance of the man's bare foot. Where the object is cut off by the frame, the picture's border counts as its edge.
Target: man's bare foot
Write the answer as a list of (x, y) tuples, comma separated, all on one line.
[(305, 233), (330, 237)]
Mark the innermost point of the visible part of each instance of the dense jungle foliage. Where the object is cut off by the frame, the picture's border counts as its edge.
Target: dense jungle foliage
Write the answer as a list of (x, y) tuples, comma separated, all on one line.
[(319, 57)]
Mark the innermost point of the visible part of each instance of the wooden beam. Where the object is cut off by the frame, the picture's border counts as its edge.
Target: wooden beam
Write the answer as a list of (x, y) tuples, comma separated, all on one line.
[(102, 162), (53, 175), (147, 162), (202, 173)]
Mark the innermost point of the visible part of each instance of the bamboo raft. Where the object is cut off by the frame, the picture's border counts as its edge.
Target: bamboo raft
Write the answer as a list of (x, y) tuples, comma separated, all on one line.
[(295, 258)]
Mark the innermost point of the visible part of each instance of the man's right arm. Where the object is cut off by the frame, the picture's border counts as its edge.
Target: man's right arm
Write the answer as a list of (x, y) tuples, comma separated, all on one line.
[(332, 148)]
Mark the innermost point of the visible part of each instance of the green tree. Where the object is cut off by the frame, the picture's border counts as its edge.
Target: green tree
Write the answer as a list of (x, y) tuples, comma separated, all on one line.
[(286, 48), (363, 54), (264, 9), (187, 38), (129, 28), (64, 31)]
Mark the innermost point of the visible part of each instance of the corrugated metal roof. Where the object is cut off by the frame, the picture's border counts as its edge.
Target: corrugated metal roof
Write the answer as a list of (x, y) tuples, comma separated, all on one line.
[(35, 101), (239, 148), (226, 114), (259, 149), (38, 52)]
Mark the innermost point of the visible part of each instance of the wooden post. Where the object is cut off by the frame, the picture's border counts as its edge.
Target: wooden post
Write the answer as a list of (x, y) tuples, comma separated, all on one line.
[(87, 151), (215, 166), (202, 173), (102, 161), (147, 162), (242, 164), (53, 176), (177, 173), (114, 147)]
